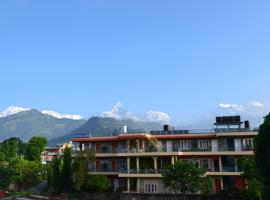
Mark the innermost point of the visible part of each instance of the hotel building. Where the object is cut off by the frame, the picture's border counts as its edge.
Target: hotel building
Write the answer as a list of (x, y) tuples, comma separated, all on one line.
[(134, 162)]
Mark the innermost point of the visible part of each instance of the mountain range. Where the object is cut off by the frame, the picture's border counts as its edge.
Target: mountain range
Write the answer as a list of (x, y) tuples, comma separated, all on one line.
[(26, 122)]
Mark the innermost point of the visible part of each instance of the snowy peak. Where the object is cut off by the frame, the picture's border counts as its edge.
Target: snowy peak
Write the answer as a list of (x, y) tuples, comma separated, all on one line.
[(119, 112), (12, 110), (61, 116)]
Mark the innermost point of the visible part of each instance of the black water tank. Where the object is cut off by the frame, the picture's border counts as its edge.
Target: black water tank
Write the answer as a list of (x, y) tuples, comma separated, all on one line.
[(166, 128), (247, 126)]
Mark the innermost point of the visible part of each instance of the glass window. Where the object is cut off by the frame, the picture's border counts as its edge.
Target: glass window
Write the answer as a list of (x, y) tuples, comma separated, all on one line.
[(203, 144)]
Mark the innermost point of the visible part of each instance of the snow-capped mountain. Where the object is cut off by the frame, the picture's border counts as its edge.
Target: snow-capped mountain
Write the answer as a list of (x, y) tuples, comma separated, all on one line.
[(12, 110), (61, 116), (119, 112)]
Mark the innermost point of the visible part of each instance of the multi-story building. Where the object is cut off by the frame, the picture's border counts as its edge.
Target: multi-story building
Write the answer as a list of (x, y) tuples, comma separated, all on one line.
[(134, 162), (51, 152)]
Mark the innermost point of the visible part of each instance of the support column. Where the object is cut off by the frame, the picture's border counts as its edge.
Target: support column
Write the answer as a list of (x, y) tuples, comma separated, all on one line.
[(128, 165), (221, 183), (138, 145), (143, 146), (155, 164), (138, 185), (128, 184), (172, 160), (138, 164), (235, 164), (220, 164), (128, 146)]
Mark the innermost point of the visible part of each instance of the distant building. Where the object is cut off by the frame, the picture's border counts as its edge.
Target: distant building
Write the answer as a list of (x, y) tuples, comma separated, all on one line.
[(134, 162), (51, 152)]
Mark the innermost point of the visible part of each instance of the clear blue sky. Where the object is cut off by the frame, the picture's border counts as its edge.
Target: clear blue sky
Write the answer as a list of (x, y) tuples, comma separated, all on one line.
[(179, 57)]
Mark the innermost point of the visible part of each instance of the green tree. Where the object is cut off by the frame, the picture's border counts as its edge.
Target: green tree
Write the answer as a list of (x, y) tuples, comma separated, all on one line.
[(67, 170), (262, 152), (80, 171), (98, 183), (11, 149), (254, 186), (35, 147), (83, 162), (184, 177), (28, 173), (55, 180)]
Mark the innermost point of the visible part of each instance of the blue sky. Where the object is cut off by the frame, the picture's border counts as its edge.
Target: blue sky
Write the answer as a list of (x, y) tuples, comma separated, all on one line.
[(179, 57)]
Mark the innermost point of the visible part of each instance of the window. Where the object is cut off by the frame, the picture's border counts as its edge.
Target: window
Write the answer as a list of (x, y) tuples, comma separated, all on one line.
[(248, 143), (106, 166), (185, 145), (205, 164), (203, 144), (151, 188)]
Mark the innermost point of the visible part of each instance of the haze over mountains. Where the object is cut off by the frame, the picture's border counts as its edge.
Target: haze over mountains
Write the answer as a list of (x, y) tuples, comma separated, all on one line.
[(26, 122)]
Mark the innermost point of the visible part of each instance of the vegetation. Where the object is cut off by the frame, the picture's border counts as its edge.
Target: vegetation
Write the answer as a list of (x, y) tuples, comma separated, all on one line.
[(98, 183), (67, 170), (254, 188), (262, 158), (16, 168), (184, 177), (35, 147)]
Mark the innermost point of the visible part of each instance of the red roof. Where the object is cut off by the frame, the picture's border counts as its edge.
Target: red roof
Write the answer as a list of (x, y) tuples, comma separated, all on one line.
[(124, 137)]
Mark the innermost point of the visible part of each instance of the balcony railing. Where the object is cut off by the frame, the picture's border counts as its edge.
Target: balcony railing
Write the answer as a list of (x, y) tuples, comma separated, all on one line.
[(175, 149), (159, 171)]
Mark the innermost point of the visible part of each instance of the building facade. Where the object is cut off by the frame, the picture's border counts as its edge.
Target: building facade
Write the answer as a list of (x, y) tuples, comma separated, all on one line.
[(134, 162)]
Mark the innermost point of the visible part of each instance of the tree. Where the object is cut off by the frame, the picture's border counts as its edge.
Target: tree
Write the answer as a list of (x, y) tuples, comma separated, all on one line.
[(35, 147), (55, 180), (254, 186), (27, 173), (184, 177), (67, 170), (80, 171), (97, 183), (82, 163), (11, 149), (262, 152)]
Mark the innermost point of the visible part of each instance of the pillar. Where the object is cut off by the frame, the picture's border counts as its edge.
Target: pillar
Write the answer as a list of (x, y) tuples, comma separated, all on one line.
[(128, 165), (138, 145), (172, 160), (138, 185), (220, 164), (143, 146), (128, 146), (155, 164), (138, 164), (128, 184), (221, 183)]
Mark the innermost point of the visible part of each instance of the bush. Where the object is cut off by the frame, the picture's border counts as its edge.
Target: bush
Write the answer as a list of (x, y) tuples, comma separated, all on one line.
[(98, 183)]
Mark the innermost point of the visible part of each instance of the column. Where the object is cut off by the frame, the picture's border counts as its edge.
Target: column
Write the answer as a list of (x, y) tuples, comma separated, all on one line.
[(138, 145), (155, 163), (172, 160), (220, 164), (138, 164), (128, 184), (128, 165), (221, 183), (235, 164), (138, 185), (128, 146), (143, 146)]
